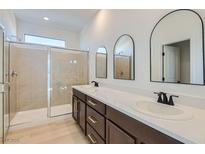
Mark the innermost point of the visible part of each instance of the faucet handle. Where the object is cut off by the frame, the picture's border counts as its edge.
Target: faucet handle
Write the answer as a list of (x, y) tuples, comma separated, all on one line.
[(159, 96), (174, 96), (158, 93), (171, 102)]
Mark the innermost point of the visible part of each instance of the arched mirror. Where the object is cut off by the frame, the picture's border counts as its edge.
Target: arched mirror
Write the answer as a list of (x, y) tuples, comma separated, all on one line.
[(124, 54), (177, 48), (101, 63)]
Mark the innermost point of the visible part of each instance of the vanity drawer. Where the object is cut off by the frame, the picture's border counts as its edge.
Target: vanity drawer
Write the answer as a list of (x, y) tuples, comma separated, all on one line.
[(97, 121), (93, 136), (79, 95), (95, 104)]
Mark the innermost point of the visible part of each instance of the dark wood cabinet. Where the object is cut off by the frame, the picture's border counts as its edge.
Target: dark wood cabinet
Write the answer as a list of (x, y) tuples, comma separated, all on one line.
[(97, 121), (96, 105), (79, 109), (80, 95), (75, 108), (82, 115), (115, 135), (93, 136), (104, 124), (143, 133)]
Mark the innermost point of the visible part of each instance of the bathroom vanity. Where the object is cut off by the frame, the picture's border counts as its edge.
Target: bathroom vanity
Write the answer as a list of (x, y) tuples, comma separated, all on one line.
[(102, 123)]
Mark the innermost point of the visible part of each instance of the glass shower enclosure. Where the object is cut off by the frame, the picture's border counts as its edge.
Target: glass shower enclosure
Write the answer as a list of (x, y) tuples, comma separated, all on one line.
[(66, 67), (41, 87), (36, 82)]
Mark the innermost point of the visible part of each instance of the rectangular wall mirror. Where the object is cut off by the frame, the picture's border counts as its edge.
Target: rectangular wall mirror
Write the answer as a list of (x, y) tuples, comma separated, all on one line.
[(101, 63), (177, 48)]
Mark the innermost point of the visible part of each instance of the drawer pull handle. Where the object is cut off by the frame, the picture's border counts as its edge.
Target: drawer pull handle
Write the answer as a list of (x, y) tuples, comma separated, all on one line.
[(92, 139), (91, 103), (92, 119)]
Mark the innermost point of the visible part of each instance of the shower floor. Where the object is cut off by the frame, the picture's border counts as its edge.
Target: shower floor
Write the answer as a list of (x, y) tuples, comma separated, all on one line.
[(38, 116), (61, 109)]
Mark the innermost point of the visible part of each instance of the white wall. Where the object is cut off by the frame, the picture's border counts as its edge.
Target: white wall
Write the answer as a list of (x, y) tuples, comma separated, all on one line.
[(8, 21), (104, 30), (72, 38)]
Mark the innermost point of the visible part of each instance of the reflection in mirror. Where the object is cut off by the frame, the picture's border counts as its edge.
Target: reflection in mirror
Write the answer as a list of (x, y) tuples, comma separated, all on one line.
[(177, 48), (177, 62), (124, 58), (101, 63)]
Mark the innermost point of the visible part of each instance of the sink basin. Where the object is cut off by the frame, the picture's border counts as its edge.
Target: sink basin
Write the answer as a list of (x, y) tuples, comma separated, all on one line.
[(96, 91), (161, 111), (89, 88)]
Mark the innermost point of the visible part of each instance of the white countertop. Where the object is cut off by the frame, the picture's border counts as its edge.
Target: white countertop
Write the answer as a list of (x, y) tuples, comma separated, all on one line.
[(187, 131)]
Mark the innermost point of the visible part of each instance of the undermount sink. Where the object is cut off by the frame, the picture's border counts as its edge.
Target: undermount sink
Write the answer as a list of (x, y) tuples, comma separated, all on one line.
[(161, 111), (97, 91), (89, 88)]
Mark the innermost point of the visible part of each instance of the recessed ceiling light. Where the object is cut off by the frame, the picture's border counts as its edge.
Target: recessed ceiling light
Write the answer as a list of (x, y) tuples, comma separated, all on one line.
[(46, 18)]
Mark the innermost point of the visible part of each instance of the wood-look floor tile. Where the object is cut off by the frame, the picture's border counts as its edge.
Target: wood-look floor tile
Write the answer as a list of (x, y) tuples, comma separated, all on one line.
[(60, 132)]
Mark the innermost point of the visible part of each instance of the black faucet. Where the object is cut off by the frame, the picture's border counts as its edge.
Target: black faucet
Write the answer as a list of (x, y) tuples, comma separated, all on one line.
[(171, 102), (162, 98), (159, 100), (96, 84), (165, 99)]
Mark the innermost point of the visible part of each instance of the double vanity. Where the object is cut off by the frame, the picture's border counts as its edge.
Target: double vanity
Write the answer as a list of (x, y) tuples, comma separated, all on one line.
[(176, 56), (111, 116)]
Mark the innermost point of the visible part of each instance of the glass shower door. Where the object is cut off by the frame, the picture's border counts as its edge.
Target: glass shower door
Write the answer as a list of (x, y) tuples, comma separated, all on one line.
[(4, 87), (67, 68), (1, 84), (7, 88)]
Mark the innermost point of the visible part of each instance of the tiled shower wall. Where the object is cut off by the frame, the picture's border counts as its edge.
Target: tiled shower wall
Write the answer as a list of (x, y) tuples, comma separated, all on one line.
[(29, 90), (122, 67)]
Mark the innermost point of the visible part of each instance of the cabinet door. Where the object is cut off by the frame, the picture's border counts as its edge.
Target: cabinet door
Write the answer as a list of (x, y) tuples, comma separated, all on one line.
[(93, 136), (82, 114), (75, 108), (115, 135)]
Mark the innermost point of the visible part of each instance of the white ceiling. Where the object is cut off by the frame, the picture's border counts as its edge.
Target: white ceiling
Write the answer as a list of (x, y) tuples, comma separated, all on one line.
[(72, 19)]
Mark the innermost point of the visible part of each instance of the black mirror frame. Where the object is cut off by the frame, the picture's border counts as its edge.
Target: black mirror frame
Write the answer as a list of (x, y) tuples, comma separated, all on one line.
[(202, 26), (96, 63), (133, 57)]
